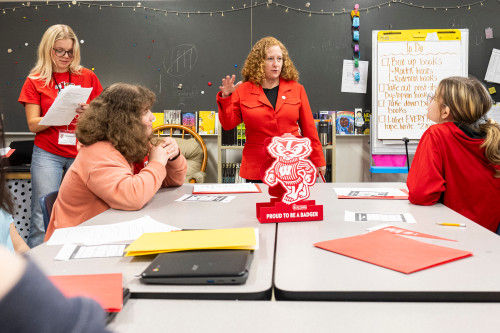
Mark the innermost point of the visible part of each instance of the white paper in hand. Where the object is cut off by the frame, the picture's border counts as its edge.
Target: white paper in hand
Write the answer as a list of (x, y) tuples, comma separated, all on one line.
[(63, 110)]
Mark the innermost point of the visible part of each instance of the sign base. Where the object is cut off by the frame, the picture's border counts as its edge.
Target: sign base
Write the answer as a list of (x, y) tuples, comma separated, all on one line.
[(276, 211)]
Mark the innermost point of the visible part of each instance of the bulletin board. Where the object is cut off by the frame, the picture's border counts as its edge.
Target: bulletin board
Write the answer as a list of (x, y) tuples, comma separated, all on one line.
[(410, 64)]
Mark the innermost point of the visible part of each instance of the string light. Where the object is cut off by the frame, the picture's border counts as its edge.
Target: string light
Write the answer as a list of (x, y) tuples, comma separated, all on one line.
[(250, 6)]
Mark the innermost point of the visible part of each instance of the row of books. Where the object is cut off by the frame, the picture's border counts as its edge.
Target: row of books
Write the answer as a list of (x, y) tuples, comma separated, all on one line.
[(231, 173), (234, 137), (345, 122), (202, 122)]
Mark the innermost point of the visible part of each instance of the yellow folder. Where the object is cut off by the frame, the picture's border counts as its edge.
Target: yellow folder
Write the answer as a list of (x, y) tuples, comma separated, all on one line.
[(152, 243)]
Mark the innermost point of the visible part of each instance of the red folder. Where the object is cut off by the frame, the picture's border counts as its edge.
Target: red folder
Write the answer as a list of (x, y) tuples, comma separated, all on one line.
[(105, 289), (391, 251)]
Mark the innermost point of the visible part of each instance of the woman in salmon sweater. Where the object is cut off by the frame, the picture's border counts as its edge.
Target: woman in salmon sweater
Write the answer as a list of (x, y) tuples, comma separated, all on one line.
[(270, 102), (110, 169), (457, 161)]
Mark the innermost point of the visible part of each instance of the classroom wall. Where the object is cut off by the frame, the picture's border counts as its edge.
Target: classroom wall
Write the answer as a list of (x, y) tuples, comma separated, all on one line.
[(196, 49)]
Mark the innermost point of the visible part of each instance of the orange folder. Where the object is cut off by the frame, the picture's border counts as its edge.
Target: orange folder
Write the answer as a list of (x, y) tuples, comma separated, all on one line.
[(105, 289), (391, 251)]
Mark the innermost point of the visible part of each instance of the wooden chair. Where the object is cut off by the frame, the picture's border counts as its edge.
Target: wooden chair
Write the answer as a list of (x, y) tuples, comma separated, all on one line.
[(194, 150)]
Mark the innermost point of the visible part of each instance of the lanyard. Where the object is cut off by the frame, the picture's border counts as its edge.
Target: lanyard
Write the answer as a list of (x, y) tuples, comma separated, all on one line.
[(57, 84)]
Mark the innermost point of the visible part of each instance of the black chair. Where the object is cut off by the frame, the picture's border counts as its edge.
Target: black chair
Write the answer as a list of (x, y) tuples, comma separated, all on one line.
[(46, 203)]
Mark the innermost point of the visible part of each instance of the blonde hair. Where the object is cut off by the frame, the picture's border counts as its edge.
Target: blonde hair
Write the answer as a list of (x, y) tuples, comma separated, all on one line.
[(45, 64), (253, 69), (115, 116), (469, 101)]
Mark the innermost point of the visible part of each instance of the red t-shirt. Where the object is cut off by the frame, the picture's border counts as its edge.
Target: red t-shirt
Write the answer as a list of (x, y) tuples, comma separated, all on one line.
[(36, 92)]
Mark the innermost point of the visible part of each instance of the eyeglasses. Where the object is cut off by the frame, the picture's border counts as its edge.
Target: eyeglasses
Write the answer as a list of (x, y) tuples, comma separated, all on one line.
[(271, 60), (431, 95), (62, 53)]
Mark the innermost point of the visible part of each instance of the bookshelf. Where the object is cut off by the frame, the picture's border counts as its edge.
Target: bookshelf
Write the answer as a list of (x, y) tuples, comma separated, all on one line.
[(222, 151)]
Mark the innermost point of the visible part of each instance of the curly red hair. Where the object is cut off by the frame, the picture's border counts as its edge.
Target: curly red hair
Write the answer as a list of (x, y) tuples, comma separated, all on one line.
[(253, 69)]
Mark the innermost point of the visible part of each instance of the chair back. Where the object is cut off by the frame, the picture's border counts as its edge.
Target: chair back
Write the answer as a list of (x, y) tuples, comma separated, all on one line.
[(183, 129), (46, 203)]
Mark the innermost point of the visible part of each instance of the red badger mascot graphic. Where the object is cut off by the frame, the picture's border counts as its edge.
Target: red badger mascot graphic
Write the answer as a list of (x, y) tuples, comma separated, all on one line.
[(291, 168)]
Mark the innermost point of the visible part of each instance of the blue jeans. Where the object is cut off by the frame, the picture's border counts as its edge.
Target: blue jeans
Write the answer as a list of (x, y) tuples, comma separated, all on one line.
[(47, 171)]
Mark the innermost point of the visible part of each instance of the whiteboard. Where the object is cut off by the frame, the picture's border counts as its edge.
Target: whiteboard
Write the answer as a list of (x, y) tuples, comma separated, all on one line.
[(408, 64)]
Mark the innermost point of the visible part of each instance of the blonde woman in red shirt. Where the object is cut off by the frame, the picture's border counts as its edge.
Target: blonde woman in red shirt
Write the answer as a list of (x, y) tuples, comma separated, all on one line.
[(57, 66)]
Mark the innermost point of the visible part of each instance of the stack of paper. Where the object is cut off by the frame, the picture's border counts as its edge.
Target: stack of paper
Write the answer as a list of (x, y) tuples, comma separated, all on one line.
[(152, 243), (392, 251), (105, 289)]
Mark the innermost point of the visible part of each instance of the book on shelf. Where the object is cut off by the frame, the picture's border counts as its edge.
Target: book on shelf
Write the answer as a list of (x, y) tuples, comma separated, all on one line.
[(206, 122), (359, 121), (173, 117), (189, 120), (234, 137), (159, 119), (367, 114), (345, 122), (231, 173)]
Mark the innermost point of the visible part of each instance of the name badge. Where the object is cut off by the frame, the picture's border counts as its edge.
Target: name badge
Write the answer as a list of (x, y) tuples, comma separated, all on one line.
[(67, 138)]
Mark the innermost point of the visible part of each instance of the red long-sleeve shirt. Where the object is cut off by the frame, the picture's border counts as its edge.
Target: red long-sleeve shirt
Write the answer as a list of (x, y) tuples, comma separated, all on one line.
[(450, 167)]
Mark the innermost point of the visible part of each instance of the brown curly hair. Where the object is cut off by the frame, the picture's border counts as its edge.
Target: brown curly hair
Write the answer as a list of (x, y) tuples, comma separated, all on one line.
[(115, 116), (253, 69)]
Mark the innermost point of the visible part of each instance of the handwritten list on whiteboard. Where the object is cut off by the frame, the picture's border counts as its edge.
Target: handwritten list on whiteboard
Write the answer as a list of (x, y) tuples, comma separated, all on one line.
[(407, 72)]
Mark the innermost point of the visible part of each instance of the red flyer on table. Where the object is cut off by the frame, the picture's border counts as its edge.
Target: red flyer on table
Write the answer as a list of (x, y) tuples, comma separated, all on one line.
[(391, 251)]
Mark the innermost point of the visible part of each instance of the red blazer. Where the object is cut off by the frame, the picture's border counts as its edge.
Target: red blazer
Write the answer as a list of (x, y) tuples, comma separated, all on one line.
[(250, 105)]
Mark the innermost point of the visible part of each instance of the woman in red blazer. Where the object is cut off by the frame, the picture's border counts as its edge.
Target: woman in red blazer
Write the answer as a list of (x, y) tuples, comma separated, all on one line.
[(270, 102)]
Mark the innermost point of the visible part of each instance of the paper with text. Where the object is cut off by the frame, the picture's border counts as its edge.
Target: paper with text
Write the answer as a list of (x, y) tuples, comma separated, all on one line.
[(109, 233), (349, 84), (370, 193), (63, 110), (377, 217), (74, 251), (407, 72), (493, 71), (206, 198), (226, 188)]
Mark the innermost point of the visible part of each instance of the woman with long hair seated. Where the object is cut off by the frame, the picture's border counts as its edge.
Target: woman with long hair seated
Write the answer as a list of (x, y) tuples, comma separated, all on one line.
[(116, 166)]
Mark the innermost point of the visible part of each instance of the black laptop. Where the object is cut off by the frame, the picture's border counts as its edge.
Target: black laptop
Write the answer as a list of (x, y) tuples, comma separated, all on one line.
[(200, 267), (20, 159)]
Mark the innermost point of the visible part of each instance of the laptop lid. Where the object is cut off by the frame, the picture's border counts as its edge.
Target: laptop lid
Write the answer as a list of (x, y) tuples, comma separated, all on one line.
[(20, 160), (199, 267)]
